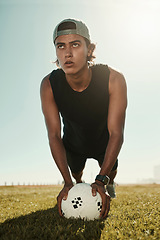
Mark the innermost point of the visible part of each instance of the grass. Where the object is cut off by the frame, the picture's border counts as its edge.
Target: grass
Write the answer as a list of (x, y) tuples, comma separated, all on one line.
[(31, 213)]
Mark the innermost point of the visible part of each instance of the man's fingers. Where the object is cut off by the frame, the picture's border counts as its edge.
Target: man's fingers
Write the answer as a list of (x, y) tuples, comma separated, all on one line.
[(104, 205), (59, 200), (107, 207), (94, 191), (63, 195), (105, 198)]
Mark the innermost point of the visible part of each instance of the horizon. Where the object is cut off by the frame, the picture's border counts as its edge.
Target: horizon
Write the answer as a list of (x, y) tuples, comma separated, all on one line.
[(127, 37)]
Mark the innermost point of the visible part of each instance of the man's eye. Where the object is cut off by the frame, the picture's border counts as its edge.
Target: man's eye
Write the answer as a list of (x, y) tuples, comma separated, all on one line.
[(75, 45), (60, 46)]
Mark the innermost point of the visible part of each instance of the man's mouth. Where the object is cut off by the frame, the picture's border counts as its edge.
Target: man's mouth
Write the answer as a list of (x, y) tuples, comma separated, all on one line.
[(68, 63)]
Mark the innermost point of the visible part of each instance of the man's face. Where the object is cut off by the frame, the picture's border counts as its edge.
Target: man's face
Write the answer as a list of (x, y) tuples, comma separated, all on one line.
[(71, 53)]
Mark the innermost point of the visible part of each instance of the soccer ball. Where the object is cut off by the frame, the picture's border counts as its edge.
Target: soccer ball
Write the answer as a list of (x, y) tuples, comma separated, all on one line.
[(81, 204)]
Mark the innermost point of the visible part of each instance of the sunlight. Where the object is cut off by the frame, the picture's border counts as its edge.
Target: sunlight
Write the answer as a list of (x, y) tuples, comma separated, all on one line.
[(144, 25)]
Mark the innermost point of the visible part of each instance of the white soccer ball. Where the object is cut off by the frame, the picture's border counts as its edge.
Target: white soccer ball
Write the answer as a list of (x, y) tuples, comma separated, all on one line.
[(81, 204)]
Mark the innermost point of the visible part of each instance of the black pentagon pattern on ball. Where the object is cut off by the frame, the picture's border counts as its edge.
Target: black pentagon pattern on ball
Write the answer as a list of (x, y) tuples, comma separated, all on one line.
[(99, 206), (63, 213), (77, 202)]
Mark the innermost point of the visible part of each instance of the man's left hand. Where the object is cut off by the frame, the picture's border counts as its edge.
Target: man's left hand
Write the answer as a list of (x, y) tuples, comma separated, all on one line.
[(100, 188)]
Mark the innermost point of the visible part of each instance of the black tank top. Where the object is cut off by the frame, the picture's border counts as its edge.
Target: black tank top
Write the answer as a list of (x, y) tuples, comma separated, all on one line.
[(85, 113)]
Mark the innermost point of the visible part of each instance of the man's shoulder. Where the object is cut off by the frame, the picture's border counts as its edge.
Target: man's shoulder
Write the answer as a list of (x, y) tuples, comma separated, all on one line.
[(115, 74), (101, 71), (50, 77), (56, 73), (99, 67), (116, 80), (45, 82)]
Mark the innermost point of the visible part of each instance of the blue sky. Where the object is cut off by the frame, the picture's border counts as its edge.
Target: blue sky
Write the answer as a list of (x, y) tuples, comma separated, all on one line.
[(127, 35)]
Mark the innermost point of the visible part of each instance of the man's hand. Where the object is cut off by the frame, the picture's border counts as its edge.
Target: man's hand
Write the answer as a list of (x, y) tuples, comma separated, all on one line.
[(99, 187), (63, 195)]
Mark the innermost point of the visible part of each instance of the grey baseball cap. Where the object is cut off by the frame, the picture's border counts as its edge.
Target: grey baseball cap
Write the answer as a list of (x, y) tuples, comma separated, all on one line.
[(72, 26)]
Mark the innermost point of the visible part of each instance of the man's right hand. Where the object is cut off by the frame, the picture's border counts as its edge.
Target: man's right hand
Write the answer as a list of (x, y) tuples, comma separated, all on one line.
[(99, 187), (63, 195)]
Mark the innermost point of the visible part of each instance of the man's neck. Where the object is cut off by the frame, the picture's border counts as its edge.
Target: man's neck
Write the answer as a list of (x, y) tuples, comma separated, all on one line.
[(81, 80)]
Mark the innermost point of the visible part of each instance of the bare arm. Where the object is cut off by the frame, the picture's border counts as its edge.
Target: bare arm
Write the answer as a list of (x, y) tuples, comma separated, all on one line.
[(116, 120), (53, 125)]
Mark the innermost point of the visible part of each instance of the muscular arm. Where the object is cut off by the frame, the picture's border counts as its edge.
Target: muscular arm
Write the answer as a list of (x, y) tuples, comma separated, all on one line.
[(53, 125), (116, 120)]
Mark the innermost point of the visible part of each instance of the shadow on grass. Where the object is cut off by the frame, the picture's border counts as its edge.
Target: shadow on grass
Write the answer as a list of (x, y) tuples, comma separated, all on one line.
[(48, 225)]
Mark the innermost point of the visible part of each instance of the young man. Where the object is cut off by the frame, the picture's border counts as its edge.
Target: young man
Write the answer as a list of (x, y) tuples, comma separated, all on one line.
[(92, 101)]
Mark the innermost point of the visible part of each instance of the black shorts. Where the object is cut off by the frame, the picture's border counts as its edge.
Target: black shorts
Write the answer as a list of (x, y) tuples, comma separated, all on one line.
[(77, 162)]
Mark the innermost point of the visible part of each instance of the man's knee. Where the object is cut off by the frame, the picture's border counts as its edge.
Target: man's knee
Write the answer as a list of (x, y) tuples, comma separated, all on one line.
[(77, 176)]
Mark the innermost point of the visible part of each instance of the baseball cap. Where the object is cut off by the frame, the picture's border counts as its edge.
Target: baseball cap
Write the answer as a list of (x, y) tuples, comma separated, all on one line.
[(71, 26)]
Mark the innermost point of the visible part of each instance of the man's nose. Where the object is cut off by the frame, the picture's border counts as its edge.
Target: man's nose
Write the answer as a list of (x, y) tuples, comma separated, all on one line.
[(68, 52)]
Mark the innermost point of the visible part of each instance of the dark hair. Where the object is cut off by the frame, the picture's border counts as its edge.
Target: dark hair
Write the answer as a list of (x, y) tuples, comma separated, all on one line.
[(91, 46)]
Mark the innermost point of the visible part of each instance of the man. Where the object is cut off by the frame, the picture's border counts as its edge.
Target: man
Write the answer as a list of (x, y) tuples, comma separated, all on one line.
[(92, 101)]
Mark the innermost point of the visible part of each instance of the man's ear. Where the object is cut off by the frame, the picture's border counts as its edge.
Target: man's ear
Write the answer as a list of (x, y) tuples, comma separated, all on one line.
[(91, 48)]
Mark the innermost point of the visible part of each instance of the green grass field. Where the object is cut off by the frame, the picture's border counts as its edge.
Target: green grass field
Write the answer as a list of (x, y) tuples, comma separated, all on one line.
[(28, 213)]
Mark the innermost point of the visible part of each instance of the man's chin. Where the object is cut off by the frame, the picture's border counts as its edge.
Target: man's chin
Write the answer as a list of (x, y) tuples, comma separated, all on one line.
[(69, 71)]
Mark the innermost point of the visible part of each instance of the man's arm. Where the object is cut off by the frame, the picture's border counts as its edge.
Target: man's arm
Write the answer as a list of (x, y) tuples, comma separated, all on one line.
[(116, 120), (53, 124)]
